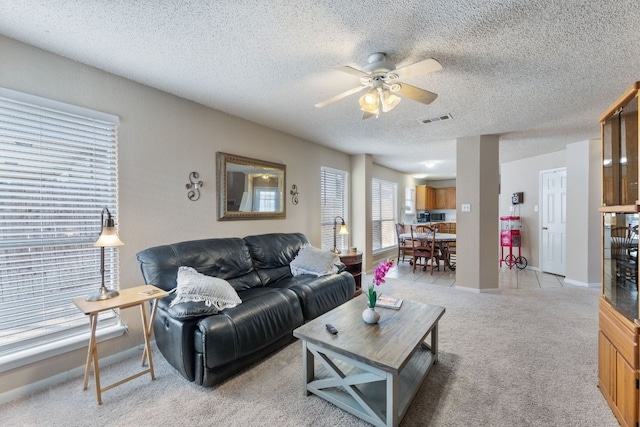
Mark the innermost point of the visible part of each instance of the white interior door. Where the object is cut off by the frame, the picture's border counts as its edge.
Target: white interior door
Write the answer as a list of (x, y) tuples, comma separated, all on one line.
[(554, 221)]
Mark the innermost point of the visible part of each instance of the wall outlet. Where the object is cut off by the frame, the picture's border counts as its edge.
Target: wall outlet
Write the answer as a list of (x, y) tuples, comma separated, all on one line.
[(465, 207)]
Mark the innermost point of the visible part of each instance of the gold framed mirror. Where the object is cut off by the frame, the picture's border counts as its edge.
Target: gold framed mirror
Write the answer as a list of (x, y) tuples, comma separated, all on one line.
[(249, 188)]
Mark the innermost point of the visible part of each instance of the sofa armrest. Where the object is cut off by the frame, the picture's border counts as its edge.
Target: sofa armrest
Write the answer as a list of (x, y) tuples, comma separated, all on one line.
[(341, 266), (175, 340)]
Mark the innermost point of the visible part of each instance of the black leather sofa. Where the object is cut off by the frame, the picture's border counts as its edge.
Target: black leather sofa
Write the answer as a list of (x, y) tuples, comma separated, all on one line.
[(208, 348)]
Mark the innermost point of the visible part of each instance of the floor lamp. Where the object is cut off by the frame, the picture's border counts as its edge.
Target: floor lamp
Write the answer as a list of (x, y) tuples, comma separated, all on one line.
[(108, 238)]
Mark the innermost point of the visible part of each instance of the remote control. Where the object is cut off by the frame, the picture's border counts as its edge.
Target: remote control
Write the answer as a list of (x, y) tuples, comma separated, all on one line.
[(331, 329)]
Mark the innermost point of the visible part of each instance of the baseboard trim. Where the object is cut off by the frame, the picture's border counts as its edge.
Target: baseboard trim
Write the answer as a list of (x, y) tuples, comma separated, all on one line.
[(583, 284), (54, 380), (476, 290)]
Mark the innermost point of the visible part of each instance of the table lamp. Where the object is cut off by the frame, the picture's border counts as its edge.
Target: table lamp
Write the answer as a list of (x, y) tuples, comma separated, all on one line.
[(343, 231), (108, 238)]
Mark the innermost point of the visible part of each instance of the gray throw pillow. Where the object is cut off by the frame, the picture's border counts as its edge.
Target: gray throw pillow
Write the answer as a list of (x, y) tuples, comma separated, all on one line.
[(314, 261), (196, 287)]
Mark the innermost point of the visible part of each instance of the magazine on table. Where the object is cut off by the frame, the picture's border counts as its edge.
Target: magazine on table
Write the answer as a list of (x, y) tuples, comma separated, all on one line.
[(388, 302)]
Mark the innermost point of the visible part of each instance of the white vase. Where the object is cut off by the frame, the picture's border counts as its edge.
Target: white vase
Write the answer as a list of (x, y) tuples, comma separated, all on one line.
[(370, 316)]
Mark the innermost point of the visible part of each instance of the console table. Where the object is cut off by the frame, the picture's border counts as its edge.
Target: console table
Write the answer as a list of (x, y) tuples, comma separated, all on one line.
[(128, 298), (353, 261)]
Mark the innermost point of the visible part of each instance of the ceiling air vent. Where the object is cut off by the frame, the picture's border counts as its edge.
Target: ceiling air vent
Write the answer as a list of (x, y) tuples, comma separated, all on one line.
[(437, 119)]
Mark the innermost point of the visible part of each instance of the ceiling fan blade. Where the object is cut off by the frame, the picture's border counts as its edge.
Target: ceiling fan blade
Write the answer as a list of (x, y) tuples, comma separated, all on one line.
[(351, 70), (340, 96), (422, 67), (415, 93), (366, 115)]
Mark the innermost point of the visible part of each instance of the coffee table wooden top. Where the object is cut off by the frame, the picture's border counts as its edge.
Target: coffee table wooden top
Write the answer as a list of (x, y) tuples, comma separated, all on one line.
[(388, 345)]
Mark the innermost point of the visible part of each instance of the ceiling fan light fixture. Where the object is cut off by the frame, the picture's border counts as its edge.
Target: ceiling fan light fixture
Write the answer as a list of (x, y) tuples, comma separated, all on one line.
[(389, 101), (379, 77), (369, 102)]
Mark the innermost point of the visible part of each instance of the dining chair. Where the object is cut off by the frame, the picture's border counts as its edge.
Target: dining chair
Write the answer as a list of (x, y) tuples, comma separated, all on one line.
[(424, 248), (404, 246), (450, 246)]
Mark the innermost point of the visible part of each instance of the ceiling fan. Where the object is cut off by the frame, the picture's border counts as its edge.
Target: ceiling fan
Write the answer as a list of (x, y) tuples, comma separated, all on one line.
[(381, 78)]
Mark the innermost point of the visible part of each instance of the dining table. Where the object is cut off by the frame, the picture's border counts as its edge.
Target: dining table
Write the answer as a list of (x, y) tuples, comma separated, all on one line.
[(443, 240)]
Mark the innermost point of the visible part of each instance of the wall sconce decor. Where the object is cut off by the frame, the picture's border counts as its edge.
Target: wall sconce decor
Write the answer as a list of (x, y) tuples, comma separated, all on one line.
[(294, 194), (343, 230), (194, 186)]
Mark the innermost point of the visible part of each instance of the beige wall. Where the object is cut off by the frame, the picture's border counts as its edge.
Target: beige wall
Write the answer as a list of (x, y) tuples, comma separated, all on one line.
[(476, 230), (162, 139), (584, 194)]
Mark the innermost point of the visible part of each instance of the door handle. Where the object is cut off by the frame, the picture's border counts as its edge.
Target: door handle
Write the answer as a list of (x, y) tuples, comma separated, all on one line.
[(544, 228)]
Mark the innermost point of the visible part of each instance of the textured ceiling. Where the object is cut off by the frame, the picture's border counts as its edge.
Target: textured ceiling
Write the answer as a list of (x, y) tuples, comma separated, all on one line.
[(538, 74)]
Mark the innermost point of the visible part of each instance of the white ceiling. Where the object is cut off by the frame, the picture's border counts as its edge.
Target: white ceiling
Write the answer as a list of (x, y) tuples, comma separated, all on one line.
[(536, 73)]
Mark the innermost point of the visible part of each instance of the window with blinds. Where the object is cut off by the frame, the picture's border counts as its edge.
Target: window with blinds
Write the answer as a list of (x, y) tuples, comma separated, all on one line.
[(57, 173), (334, 196), (383, 213), (409, 200)]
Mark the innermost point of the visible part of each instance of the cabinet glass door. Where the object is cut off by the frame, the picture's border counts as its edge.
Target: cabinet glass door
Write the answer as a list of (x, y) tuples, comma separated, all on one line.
[(620, 156), (620, 273)]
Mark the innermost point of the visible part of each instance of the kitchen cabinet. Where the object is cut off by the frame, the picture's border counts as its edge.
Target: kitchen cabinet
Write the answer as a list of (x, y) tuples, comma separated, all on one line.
[(425, 198), (445, 198), (619, 327), (429, 198)]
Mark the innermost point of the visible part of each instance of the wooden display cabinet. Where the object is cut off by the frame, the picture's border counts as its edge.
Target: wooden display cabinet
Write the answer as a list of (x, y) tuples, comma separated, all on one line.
[(618, 353)]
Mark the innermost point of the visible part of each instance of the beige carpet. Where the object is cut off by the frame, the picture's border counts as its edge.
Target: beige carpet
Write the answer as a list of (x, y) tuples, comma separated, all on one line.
[(512, 358)]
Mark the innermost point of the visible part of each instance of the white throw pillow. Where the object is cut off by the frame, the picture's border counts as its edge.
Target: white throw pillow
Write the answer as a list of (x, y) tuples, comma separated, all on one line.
[(196, 287), (314, 261)]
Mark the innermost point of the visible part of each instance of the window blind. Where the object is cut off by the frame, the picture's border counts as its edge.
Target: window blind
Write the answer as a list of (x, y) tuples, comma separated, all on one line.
[(383, 213), (57, 172), (333, 194)]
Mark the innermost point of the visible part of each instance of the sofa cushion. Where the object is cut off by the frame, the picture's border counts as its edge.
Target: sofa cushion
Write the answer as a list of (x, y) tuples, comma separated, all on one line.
[(226, 258), (272, 253), (320, 294), (314, 261), (197, 287)]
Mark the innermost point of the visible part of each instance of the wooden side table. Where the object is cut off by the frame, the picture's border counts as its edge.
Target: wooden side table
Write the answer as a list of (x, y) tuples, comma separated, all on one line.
[(353, 261), (128, 298)]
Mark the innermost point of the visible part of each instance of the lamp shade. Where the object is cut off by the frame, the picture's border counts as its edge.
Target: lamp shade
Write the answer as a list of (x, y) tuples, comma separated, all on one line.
[(108, 238), (369, 102), (343, 229), (108, 235), (389, 101)]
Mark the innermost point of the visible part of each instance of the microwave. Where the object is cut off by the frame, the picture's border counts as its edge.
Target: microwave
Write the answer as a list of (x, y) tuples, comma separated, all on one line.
[(434, 217), (423, 217)]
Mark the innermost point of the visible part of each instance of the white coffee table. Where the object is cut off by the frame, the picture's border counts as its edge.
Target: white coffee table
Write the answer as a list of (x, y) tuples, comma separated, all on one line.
[(371, 371)]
